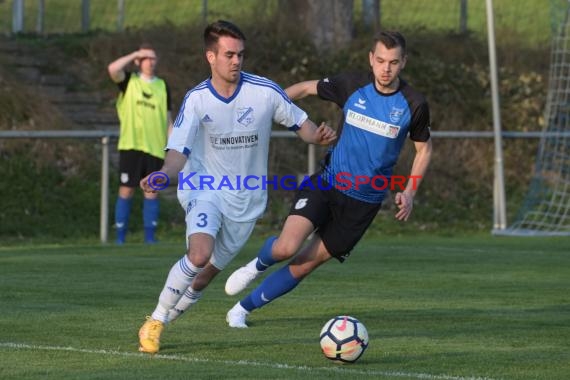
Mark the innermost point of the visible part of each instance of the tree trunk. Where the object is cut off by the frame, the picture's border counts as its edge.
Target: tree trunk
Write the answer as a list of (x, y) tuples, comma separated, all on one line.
[(329, 23), (371, 14)]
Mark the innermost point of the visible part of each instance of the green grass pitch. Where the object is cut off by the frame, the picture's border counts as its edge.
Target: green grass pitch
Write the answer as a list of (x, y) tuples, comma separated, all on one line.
[(435, 308)]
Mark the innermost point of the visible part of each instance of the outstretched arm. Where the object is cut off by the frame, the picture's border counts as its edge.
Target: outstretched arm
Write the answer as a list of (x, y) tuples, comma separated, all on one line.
[(302, 89), (309, 132), (173, 163), (321, 135), (405, 199)]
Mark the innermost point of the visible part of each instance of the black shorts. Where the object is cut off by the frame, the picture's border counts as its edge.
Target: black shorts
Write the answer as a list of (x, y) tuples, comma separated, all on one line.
[(134, 165), (339, 219)]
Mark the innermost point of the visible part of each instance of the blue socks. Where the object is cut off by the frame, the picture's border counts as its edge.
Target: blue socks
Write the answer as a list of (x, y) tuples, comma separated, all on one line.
[(274, 286), (150, 219), (264, 258), (122, 212)]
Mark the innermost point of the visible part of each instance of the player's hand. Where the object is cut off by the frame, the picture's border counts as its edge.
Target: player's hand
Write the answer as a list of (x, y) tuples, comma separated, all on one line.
[(325, 134), (145, 53), (145, 186), (154, 182), (405, 203)]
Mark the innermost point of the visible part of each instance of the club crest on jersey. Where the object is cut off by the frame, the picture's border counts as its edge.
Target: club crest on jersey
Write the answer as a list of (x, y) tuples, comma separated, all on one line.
[(245, 116), (396, 114), (301, 203)]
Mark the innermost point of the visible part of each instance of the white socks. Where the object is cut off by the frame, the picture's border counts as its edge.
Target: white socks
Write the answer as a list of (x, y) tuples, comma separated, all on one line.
[(189, 298), (179, 279)]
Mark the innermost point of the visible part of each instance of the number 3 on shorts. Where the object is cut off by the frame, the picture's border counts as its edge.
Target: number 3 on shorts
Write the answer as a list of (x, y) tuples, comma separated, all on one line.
[(203, 220)]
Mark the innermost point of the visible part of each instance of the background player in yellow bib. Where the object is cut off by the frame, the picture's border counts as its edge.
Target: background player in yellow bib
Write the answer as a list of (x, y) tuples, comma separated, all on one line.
[(144, 110)]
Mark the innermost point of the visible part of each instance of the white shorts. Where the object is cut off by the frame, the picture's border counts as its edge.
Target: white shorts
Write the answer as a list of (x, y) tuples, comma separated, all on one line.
[(229, 236)]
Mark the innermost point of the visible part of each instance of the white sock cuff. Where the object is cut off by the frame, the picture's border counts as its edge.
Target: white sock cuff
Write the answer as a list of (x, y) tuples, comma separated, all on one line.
[(160, 315), (192, 294), (187, 268)]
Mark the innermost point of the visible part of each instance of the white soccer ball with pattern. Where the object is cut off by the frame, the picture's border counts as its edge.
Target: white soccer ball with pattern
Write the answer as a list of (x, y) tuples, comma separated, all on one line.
[(344, 339)]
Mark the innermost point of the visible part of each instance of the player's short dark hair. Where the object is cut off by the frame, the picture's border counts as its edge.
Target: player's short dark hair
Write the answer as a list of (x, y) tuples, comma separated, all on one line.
[(146, 45), (220, 28), (390, 39)]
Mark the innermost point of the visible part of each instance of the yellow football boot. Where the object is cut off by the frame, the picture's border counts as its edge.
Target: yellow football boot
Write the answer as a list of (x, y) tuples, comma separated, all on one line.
[(149, 336)]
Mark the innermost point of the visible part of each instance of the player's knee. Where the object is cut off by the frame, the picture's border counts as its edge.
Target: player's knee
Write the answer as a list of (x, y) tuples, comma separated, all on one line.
[(126, 192), (199, 257), (283, 250)]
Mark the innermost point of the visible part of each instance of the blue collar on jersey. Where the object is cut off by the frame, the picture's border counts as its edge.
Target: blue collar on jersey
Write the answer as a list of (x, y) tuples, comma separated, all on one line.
[(220, 97)]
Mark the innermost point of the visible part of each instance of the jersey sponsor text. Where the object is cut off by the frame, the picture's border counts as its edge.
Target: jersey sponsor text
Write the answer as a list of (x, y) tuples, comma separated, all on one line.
[(372, 125)]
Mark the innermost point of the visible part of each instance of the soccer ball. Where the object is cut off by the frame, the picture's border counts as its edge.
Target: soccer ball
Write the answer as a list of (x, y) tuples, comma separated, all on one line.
[(344, 339)]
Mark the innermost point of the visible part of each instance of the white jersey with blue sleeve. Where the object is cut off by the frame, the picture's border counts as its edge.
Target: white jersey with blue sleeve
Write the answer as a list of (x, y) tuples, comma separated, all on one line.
[(226, 141)]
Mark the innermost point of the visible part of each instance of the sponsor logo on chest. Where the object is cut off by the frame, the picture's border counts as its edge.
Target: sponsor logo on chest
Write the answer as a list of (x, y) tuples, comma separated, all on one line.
[(372, 125), (360, 103)]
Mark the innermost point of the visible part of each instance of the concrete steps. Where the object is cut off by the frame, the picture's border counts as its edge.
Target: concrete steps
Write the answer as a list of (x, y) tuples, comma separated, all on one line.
[(44, 72)]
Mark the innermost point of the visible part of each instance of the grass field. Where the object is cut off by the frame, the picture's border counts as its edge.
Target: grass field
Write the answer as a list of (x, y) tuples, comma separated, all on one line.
[(435, 308)]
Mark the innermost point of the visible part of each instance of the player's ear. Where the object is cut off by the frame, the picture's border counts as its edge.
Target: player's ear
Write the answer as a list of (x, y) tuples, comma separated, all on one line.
[(210, 56), (137, 62), (404, 60)]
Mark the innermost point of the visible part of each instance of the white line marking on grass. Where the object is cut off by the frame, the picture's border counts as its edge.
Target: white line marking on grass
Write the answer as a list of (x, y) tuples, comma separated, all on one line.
[(189, 359)]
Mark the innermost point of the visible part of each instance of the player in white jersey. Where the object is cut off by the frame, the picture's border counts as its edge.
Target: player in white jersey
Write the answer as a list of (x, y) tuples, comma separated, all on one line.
[(220, 137), (229, 139)]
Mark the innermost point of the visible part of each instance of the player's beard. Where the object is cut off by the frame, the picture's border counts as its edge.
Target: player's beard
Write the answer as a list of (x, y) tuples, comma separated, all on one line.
[(387, 84), (231, 75), (234, 74)]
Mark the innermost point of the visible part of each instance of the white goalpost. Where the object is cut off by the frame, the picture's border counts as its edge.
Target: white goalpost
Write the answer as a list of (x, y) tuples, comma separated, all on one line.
[(499, 198), (546, 209)]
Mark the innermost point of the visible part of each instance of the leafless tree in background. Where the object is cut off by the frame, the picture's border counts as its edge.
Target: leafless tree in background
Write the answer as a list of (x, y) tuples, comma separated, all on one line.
[(329, 23)]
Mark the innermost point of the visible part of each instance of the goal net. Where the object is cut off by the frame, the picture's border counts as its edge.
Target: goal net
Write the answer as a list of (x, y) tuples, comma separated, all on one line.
[(546, 210)]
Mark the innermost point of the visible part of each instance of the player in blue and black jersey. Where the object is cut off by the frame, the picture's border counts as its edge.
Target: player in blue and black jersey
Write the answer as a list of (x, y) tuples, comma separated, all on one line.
[(379, 111)]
